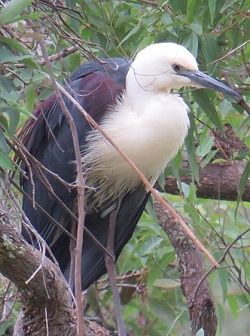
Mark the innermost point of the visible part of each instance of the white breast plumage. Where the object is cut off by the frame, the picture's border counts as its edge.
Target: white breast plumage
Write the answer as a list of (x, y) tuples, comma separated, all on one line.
[(150, 139)]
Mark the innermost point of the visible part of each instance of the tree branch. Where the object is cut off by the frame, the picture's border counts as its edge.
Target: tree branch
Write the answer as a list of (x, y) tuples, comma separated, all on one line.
[(46, 291), (45, 298), (220, 178), (216, 181), (191, 266)]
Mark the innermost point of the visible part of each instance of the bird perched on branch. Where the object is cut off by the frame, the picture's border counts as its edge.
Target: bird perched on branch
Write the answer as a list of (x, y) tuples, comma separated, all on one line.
[(133, 104)]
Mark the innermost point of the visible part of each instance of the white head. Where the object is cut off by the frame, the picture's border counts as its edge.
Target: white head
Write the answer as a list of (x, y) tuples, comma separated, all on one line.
[(164, 66)]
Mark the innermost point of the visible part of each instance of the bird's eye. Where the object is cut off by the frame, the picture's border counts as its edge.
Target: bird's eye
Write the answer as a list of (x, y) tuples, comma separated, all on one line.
[(176, 67)]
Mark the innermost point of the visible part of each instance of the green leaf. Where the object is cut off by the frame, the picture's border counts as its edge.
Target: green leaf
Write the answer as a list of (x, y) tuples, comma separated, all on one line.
[(212, 7), (205, 146), (189, 142), (12, 10), (30, 97), (234, 306), (196, 27), (191, 43), (7, 56), (205, 103), (161, 180), (221, 313), (4, 125), (227, 4), (245, 5), (175, 166), (172, 325), (191, 10), (14, 116), (208, 158), (15, 45), (223, 278), (7, 84), (210, 51), (3, 144), (159, 308), (151, 211), (131, 33), (5, 161), (150, 245), (166, 283), (192, 198), (192, 212), (5, 326), (243, 180)]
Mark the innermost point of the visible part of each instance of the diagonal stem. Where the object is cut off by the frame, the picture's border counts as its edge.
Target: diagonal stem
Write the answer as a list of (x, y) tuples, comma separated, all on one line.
[(110, 265)]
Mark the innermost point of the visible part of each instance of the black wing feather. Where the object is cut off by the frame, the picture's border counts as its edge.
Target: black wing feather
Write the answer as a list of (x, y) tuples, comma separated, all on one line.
[(95, 86)]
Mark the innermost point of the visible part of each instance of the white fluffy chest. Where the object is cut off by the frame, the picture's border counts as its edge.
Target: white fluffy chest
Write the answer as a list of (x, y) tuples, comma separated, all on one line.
[(150, 134)]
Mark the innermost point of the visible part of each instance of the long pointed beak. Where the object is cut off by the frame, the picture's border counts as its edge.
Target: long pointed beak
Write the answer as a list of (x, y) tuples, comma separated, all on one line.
[(199, 79)]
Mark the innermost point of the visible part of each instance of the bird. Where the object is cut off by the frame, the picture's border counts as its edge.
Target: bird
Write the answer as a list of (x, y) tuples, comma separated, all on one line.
[(135, 103)]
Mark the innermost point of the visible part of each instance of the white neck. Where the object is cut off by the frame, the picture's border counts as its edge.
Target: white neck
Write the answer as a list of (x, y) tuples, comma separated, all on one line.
[(140, 88)]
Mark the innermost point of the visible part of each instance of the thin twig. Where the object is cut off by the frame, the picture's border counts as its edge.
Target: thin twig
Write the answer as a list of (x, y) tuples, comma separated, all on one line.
[(110, 266), (64, 53), (46, 320), (39, 268), (80, 183), (230, 52), (222, 258)]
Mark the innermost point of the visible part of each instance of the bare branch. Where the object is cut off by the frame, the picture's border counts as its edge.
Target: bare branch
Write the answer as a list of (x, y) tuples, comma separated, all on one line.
[(192, 270)]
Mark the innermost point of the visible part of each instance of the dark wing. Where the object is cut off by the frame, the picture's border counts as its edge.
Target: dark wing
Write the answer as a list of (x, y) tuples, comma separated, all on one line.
[(95, 86), (93, 265)]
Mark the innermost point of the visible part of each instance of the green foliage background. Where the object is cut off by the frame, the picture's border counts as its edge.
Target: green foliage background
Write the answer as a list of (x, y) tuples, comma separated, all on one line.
[(218, 34)]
